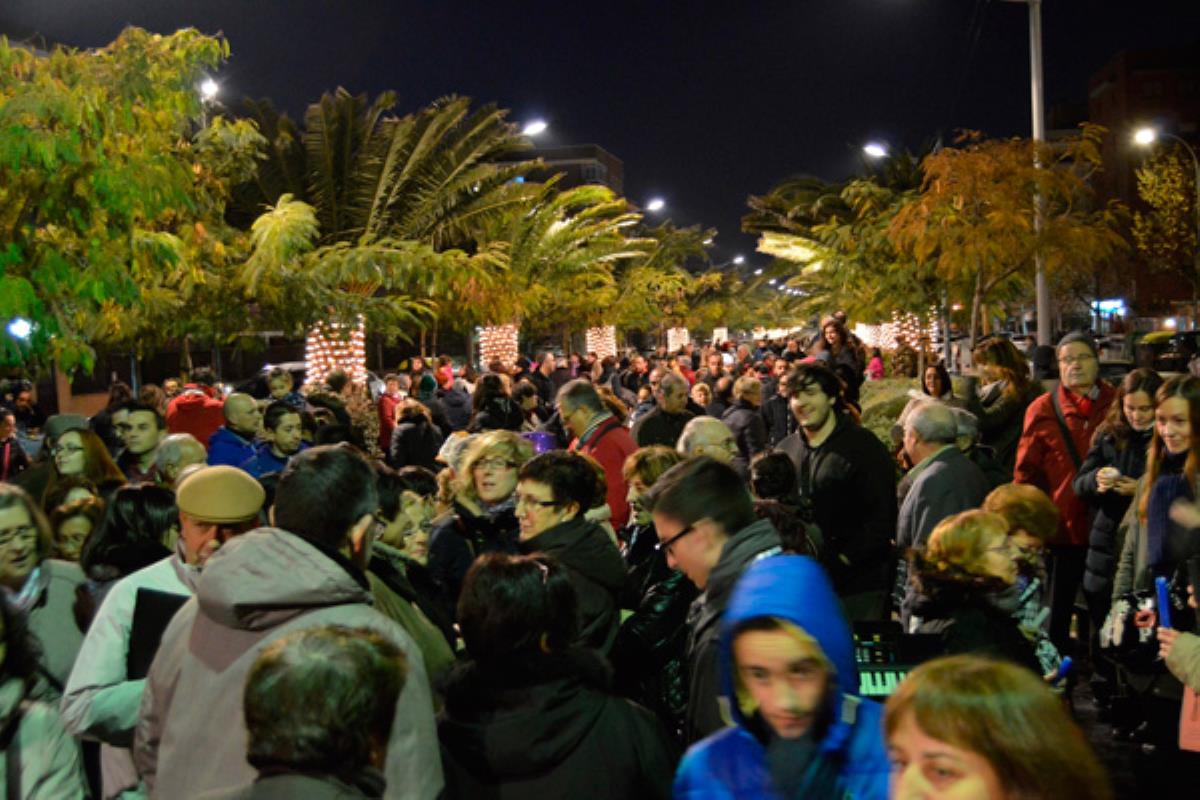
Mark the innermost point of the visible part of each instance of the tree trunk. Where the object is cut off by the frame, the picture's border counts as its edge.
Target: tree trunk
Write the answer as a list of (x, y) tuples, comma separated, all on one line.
[(421, 344), (945, 314), (566, 342), (434, 347), (976, 302)]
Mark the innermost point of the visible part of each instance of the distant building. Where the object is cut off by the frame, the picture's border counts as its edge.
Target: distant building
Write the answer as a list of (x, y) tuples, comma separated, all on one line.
[(581, 164), (1135, 89)]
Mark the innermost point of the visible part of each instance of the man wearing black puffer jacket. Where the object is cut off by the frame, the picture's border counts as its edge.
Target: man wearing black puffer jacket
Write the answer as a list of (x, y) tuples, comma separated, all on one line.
[(848, 479)]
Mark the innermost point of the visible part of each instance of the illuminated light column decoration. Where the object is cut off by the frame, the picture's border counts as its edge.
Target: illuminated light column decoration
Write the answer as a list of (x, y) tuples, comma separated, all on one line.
[(499, 343), (332, 345), (603, 341), (677, 338)]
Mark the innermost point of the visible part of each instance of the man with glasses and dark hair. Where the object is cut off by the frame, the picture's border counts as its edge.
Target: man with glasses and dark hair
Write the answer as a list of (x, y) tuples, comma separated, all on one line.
[(706, 526), (1058, 432), (306, 572)]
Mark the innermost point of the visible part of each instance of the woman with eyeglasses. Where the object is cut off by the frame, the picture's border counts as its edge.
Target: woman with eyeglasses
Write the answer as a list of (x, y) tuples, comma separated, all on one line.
[(82, 454), (530, 714), (482, 517), (41, 588), (962, 579), (554, 491)]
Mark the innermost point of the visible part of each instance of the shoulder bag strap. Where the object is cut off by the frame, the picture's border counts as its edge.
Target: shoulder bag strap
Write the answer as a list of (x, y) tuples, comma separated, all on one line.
[(1066, 432)]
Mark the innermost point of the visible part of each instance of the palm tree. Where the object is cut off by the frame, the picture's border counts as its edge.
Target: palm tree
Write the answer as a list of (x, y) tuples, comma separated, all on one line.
[(367, 215), (563, 251)]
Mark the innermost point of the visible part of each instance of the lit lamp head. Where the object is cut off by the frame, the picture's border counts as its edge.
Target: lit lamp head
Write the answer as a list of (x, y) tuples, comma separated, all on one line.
[(1145, 136)]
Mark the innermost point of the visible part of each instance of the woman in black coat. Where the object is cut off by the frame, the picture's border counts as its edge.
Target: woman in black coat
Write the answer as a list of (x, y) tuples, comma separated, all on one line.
[(1107, 480), (1000, 406), (492, 407), (529, 715), (650, 653), (964, 580), (415, 439)]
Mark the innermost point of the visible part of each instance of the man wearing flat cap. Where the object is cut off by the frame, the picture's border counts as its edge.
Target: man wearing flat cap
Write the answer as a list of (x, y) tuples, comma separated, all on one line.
[(100, 700), (307, 570)]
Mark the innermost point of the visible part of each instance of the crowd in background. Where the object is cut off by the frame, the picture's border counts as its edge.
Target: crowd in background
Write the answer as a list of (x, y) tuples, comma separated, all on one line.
[(630, 576)]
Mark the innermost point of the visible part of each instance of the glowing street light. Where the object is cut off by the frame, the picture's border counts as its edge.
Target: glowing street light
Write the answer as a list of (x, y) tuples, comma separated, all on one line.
[(875, 150), (739, 259), (1146, 137), (708, 242), (656, 204), (20, 328), (534, 127), (758, 271), (209, 89)]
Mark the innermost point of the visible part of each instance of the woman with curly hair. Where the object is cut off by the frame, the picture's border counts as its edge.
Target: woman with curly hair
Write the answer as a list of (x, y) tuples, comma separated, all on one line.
[(963, 578)]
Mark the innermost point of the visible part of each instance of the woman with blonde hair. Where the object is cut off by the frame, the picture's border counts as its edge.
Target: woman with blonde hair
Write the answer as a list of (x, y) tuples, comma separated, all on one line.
[(963, 582), (976, 729), (482, 517)]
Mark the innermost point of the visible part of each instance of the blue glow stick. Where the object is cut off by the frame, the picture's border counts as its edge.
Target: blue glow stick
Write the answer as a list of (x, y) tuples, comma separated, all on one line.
[(1064, 667), (1164, 603)]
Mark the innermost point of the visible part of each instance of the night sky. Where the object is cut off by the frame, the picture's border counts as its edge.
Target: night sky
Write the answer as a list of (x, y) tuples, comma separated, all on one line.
[(706, 102)]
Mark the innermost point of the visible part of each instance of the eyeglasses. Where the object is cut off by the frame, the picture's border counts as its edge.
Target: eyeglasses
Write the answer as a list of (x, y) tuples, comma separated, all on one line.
[(1073, 360), (494, 463), (66, 449), (665, 547), (526, 500), (25, 533)]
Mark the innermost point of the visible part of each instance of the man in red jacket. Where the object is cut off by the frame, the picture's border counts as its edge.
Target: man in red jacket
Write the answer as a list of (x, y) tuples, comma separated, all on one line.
[(1048, 458), (198, 409), (600, 435)]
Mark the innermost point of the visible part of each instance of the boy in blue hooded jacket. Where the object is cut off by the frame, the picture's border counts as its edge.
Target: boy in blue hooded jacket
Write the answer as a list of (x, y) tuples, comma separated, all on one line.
[(787, 668)]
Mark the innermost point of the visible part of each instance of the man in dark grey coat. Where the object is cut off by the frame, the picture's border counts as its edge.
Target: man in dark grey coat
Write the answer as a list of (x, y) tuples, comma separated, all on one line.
[(945, 482)]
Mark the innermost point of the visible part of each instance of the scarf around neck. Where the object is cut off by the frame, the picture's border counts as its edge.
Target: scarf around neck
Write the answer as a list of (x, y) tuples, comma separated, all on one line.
[(1170, 486)]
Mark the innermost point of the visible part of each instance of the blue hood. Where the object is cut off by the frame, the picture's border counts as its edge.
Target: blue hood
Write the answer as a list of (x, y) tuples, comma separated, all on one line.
[(795, 589)]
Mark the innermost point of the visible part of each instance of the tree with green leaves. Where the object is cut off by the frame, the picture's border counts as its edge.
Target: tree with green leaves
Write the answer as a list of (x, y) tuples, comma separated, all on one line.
[(390, 209), (1165, 233), (973, 219), (111, 213), (564, 251)]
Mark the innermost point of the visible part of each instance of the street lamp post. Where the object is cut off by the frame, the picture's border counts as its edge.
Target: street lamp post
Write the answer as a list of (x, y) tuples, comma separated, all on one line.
[(1039, 136), (1146, 137)]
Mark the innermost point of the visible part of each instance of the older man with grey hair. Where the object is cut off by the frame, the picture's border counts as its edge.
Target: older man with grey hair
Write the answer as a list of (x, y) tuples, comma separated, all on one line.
[(177, 451), (666, 421), (944, 482)]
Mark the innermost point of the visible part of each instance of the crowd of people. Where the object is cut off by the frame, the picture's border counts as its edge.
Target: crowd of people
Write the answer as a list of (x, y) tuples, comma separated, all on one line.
[(645, 576)]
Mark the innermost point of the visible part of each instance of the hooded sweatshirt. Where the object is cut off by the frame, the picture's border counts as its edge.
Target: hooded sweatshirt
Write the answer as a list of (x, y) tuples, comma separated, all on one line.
[(850, 760), (258, 588), (597, 573), (547, 726)]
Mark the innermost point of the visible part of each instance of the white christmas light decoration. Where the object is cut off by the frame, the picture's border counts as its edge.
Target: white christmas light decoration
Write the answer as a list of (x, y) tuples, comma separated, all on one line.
[(332, 345), (499, 342), (602, 341)]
